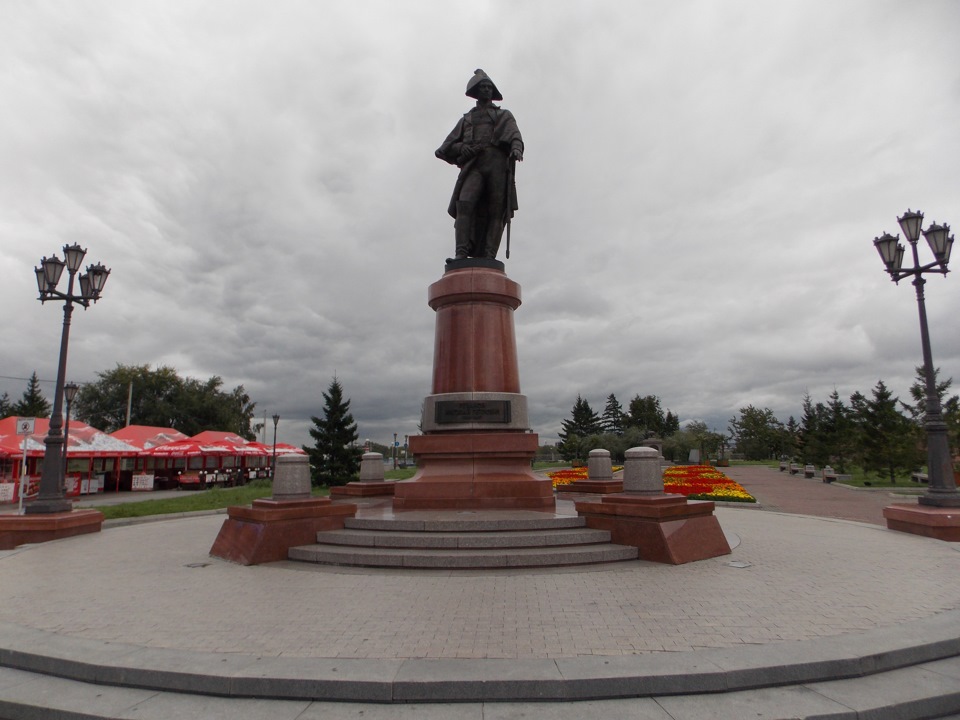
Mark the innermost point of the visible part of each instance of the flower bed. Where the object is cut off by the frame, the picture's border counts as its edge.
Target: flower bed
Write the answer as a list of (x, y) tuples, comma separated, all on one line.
[(567, 476), (697, 482), (701, 482)]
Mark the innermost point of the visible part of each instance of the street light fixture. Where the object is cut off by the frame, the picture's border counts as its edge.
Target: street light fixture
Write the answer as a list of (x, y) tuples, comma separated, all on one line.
[(273, 469), (50, 498), (69, 393), (942, 489)]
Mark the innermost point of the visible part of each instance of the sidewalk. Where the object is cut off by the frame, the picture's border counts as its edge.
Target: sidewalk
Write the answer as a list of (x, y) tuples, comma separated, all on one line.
[(800, 600)]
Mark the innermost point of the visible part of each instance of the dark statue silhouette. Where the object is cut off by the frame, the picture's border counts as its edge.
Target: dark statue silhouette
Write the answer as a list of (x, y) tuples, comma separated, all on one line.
[(485, 145)]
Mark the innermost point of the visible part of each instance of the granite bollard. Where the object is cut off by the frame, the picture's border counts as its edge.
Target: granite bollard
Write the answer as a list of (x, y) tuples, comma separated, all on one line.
[(371, 481), (265, 531), (599, 466), (664, 527), (371, 467), (641, 471), (599, 476), (291, 481)]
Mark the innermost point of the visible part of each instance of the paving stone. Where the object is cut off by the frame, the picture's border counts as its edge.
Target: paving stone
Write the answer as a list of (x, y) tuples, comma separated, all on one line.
[(174, 706), (768, 704), (915, 692)]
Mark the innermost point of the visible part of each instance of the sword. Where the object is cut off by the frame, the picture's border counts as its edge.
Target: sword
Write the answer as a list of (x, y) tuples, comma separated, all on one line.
[(509, 210)]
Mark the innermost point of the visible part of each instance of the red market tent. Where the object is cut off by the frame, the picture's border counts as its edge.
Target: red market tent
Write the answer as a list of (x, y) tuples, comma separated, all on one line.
[(217, 436), (186, 448), (145, 437), (287, 449), (82, 440), (90, 452)]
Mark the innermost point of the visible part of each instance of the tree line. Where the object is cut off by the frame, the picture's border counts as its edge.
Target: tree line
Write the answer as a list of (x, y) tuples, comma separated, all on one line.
[(31, 404), (877, 432), (157, 397), (616, 429), (160, 397)]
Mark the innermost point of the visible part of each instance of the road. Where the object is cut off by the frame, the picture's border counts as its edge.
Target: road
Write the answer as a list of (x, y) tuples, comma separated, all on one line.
[(781, 492)]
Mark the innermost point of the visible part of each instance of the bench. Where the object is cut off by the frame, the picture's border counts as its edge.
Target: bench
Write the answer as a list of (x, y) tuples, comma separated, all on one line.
[(783, 466), (830, 475), (795, 469), (919, 477), (809, 471)]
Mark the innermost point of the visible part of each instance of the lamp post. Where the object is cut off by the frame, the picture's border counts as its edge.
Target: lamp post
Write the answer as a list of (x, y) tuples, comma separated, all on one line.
[(50, 498), (69, 393), (942, 489), (273, 466)]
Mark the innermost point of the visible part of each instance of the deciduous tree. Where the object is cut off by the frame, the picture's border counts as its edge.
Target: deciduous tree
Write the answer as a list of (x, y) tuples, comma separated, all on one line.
[(161, 398)]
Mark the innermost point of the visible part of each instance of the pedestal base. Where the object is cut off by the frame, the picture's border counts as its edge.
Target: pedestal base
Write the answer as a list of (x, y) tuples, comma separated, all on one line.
[(599, 487), (266, 531), (472, 471), (926, 520), (364, 489), (664, 528), (16, 530)]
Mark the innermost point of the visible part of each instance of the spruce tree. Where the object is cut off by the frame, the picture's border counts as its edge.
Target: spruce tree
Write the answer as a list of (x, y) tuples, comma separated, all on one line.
[(583, 423), (888, 444), (334, 457), (812, 440), (612, 419), (6, 407), (33, 403)]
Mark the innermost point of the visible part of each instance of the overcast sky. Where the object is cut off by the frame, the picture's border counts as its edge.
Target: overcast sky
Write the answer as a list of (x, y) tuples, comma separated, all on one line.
[(701, 187)]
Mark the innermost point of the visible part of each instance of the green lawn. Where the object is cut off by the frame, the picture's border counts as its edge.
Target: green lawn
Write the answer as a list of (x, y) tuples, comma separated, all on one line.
[(192, 501)]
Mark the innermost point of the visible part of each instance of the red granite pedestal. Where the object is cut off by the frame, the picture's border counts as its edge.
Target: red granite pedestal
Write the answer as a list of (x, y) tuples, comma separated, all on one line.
[(476, 449), (927, 520), (596, 487), (665, 528), (266, 531), (363, 489), (16, 530)]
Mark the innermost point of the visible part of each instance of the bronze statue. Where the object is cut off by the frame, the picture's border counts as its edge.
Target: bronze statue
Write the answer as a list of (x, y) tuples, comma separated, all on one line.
[(485, 145)]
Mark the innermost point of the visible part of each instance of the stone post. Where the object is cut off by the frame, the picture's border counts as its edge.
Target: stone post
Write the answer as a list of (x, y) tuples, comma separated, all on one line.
[(291, 481), (371, 481), (371, 467), (599, 466), (641, 472), (266, 530), (664, 527)]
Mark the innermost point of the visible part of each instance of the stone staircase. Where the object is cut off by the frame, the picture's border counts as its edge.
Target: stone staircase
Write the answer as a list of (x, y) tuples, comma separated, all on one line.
[(459, 541)]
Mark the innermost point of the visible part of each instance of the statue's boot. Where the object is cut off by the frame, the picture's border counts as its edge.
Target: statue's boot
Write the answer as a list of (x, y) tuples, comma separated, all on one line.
[(463, 228), (494, 235)]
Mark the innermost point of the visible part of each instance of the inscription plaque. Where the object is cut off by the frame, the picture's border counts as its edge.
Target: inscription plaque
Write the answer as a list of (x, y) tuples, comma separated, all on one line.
[(471, 411)]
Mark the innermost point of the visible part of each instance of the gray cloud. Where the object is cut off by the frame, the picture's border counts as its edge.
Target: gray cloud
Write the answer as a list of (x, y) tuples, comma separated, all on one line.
[(701, 187)]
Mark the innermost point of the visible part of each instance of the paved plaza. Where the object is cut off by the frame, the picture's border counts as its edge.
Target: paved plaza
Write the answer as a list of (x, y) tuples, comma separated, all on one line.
[(791, 580)]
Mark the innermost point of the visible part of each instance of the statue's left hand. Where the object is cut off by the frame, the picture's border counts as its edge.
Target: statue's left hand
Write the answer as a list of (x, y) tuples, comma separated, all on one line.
[(516, 154)]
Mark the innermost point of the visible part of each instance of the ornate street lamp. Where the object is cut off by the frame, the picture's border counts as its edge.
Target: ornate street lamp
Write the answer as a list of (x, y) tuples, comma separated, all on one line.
[(273, 468), (69, 393), (50, 498), (942, 490)]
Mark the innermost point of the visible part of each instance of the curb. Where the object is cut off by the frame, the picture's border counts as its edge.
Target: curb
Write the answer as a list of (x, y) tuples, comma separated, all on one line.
[(718, 670)]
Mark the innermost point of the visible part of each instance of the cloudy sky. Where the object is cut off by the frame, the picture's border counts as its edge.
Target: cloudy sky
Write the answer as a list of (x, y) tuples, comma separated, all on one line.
[(701, 187)]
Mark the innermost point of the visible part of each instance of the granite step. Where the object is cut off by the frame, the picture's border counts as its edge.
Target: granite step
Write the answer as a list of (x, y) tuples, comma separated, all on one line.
[(453, 540), (463, 522), (463, 558)]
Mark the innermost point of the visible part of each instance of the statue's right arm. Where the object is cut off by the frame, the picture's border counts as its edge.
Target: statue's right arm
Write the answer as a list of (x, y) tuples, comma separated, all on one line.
[(451, 148)]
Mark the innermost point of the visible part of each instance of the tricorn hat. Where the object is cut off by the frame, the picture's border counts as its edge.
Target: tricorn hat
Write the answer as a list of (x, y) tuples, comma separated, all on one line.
[(478, 77)]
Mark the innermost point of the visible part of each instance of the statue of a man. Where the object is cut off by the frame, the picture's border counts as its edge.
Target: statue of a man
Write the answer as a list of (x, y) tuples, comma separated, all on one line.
[(485, 144)]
